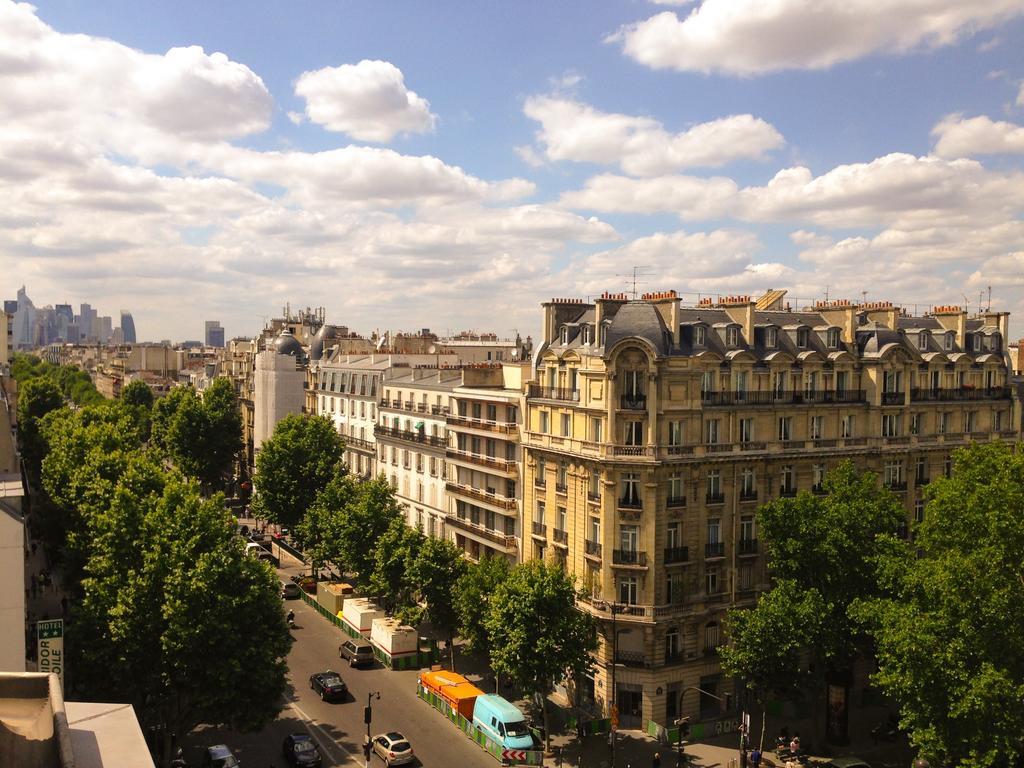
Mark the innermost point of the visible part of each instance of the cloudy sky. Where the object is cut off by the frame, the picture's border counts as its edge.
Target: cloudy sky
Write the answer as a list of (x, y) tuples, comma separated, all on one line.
[(450, 165)]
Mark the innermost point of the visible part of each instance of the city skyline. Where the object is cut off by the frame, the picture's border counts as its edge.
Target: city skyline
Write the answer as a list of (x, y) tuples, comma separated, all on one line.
[(388, 162)]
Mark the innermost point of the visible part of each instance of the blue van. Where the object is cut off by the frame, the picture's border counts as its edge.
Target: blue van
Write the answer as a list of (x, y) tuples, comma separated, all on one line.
[(502, 721)]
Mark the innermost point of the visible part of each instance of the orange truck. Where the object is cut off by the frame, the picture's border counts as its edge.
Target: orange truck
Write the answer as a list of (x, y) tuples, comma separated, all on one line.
[(456, 691)]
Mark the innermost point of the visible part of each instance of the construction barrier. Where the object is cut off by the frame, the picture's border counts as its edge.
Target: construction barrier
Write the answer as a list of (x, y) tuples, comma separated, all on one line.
[(491, 747)]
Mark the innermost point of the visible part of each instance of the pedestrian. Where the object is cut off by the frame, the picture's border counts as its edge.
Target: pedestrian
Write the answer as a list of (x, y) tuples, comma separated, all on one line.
[(755, 758), (656, 762), (794, 745)]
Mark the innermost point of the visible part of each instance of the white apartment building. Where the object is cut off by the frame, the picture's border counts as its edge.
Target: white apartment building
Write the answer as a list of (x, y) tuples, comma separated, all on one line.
[(484, 477)]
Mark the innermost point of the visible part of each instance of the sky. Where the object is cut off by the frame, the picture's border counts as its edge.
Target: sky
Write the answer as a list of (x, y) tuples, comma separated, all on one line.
[(450, 165)]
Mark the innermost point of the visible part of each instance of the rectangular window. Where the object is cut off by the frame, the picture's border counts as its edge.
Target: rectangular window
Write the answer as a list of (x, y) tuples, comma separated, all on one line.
[(595, 530), (631, 488), (833, 338), (732, 336), (811, 383), (675, 486), (747, 532), (748, 482), (893, 473), (921, 471), (711, 584), (566, 425), (714, 528), (819, 477), (802, 336), (746, 430), (915, 423), (785, 428), (628, 590), (746, 578), (629, 535), (771, 338), (943, 425), (673, 596), (741, 384), (779, 383), (711, 431), (562, 480), (788, 482), (634, 433), (707, 382), (997, 421), (714, 485), (948, 342), (675, 433), (970, 421), (699, 335), (842, 381), (673, 535), (815, 427), (561, 519), (538, 515), (595, 430), (890, 425), (544, 417)]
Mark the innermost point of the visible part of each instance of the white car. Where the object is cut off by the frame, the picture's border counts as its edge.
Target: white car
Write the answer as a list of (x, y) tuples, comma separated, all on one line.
[(393, 748)]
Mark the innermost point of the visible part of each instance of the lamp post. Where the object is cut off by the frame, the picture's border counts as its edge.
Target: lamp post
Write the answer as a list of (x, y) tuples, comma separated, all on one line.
[(368, 718), (686, 719), (615, 609)]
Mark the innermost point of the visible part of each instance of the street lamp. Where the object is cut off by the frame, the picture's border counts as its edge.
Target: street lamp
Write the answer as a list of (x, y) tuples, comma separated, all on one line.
[(683, 721), (368, 718), (615, 609)]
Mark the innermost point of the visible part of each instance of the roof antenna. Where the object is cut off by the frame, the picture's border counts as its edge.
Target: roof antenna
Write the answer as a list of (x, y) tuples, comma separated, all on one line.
[(989, 307), (638, 272), (826, 294)]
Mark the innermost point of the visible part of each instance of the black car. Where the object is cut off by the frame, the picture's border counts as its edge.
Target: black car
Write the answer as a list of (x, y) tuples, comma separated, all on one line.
[(299, 750), (329, 685)]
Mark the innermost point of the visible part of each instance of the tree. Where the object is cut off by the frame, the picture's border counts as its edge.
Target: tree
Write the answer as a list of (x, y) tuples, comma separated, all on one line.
[(224, 417), (950, 630), (435, 572), (181, 623), (163, 413), (538, 636), (394, 559), (137, 393), (320, 533), (369, 516), (474, 592), (36, 398), (294, 465), (820, 550)]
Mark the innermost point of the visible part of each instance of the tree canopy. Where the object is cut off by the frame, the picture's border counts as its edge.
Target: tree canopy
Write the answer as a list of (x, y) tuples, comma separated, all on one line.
[(137, 393), (472, 599), (36, 398), (436, 571), (950, 629), (538, 637), (392, 580), (368, 517), (820, 550), (294, 465)]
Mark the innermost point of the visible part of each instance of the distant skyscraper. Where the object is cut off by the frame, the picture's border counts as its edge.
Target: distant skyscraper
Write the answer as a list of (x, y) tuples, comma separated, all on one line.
[(128, 327), (65, 317), (214, 334), (10, 306)]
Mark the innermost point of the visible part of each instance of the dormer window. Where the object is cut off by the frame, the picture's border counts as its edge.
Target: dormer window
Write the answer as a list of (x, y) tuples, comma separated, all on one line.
[(771, 338), (699, 335), (994, 342), (565, 334), (948, 341), (604, 333), (801, 338), (833, 338), (586, 334), (922, 341), (977, 342), (732, 336)]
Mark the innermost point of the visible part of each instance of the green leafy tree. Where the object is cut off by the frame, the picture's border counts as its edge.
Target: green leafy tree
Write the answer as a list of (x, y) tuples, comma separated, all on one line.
[(368, 517), (538, 637), (163, 413), (25, 367), (391, 580), (180, 622), (224, 436), (473, 594), (435, 572), (137, 393), (950, 630), (36, 398), (319, 534), (820, 550), (294, 465)]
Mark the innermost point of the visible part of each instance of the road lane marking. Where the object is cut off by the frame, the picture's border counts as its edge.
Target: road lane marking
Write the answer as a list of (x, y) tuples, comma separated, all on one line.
[(313, 726)]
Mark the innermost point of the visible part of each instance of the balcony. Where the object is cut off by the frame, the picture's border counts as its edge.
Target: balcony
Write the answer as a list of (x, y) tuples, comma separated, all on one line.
[(501, 539), (561, 488), (494, 499), (560, 537), (677, 555), (787, 492), (358, 442), (553, 393), (714, 549), (896, 485), (746, 547), (715, 498), (630, 502), (806, 397), (592, 549), (410, 436), (961, 393), (675, 501), (633, 450), (633, 402), (748, 495), (490, 462), (539, 529), (594, 497), (893, 398), (631, 659), (439, 410), (629, 557), (750, 445), (505, 427), (539, 482), (818, 489)]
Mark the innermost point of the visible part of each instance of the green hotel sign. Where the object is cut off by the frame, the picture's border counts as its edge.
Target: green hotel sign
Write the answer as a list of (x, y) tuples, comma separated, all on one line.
[(50, 650)]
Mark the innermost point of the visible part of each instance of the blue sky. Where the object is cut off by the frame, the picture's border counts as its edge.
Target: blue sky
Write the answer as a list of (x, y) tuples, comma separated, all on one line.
[(452, 164)]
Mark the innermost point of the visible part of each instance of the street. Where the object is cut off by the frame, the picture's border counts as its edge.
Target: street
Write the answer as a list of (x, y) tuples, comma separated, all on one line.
[(338, 727)]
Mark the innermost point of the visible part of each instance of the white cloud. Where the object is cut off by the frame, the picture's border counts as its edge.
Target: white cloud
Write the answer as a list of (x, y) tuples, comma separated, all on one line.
[(1020, 96), (960, 137), (751, 37), (368, 101), (690, 197), (571, 130)]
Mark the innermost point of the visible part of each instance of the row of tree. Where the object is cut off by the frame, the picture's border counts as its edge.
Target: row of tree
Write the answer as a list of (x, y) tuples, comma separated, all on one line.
[(522, 617), (942, 615), (167, 612)]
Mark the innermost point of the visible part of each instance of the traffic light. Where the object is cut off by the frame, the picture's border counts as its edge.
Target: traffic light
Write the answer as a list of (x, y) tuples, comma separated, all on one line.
[(367, 715), (728, 702)]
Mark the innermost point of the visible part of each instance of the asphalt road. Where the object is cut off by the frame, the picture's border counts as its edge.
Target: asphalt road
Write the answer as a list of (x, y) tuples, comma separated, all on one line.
[(339, 727)]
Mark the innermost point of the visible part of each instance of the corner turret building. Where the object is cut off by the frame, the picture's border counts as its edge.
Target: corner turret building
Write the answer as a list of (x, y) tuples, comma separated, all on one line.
[(654, 430)]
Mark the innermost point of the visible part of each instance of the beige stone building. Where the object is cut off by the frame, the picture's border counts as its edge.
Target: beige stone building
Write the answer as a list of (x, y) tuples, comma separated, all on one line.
[(655, 430), (6, 339)]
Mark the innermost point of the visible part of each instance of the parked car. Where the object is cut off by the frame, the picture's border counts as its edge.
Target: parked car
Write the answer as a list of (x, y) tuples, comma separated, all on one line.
[(300, 751), (358, 652), (219, 756), (844, 762), (329, 685), (290, 591), (393, 748), (308, 585)]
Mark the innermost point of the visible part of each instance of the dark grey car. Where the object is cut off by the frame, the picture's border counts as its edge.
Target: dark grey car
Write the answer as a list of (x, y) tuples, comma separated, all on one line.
[(358, 652)]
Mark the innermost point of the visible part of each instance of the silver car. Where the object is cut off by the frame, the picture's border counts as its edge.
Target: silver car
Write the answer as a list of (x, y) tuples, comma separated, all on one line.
[(393, 748)]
